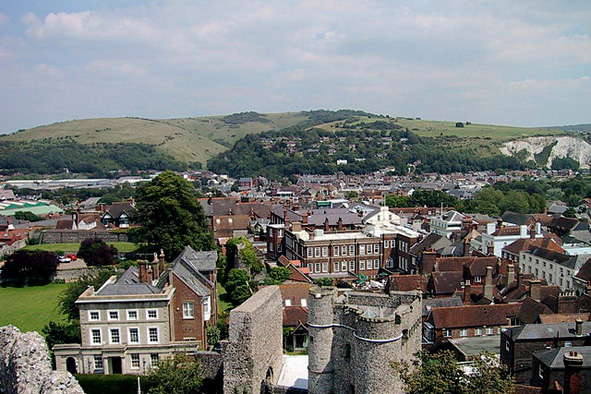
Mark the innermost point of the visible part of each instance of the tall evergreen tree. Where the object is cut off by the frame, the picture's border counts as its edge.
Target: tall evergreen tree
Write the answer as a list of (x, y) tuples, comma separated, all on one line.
[(170, 215)]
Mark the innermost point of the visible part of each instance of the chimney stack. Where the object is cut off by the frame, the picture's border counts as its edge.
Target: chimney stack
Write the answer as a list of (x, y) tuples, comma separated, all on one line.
[(467, 288), (305, 218), (510, 274), (144, 274), (428, 261), (155, 267), (326, 225), (490, 250), (488, 284), (567, 302), (573, 363), (161, 261), (535, 288), (579, 327), (340, 224)]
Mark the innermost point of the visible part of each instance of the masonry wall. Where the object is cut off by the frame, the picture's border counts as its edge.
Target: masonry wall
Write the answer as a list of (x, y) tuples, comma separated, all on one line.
[(77, 236), (25, 366), (253, 353)]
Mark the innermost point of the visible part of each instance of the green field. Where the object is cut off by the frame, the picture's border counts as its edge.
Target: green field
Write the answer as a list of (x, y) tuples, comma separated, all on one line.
[(30, 308), (223, 304), (123, 247)]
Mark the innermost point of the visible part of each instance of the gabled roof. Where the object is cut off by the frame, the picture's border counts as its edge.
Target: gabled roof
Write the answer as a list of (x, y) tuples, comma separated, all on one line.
[(407, 282), (523, 244), (554, 358), (295, 292), (294, 316), (547, 331), (585, 272), (446, 282), (128, 284), (430, 303), (431, 241), (473, 315), (531, 310), (118, 208)]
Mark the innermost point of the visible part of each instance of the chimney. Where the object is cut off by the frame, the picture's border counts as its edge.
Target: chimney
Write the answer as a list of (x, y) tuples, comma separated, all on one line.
[(466, 247), (567, 302), (296, 227), (428, 263), (490, 250), (162, 261), (305, 218), (579, 327), (156, 267), (499, 223), (532, 233), (144, 275), (510, 274), (488, 284), (535, 287), (573, 363), (326, 225), (340, 224), (467, 288)]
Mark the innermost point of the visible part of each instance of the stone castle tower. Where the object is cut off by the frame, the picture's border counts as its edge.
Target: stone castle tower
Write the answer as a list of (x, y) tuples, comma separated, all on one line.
[(354, 337)]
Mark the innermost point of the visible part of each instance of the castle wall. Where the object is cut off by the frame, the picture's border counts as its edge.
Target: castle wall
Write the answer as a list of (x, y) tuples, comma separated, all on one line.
[(25, 366), (77, 236), (353, 349), (254, 350)]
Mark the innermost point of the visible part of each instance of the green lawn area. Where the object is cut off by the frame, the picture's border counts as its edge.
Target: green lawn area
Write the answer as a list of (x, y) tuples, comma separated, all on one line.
[(30, 308), (223, 305), (124, 247)]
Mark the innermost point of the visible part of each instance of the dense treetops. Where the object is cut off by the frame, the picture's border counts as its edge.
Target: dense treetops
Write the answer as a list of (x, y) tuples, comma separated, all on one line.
[(170, 215)]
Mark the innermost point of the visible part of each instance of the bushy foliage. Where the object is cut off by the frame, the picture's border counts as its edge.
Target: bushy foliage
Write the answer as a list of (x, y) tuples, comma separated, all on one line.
[(58, 333), (279, 274), (27, 215), (328, 281), (97, 253), (67, 300), (178, 374), (239, 286), (170, 215), (439, 373), (29, 268)]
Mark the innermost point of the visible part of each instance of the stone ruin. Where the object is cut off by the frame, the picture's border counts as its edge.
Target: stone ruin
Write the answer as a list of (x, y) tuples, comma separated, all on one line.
[(25, 367), (253, 353)]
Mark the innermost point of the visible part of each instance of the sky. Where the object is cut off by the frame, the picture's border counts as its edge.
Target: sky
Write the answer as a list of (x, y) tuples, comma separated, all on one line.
[(509, 62)]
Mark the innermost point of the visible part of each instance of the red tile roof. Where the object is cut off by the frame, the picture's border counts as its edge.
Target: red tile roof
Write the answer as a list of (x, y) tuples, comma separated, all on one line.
[(408, 282), (473, 315)]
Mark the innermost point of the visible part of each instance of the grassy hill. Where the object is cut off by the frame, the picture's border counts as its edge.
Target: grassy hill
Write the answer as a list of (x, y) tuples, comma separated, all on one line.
[(200, 139)]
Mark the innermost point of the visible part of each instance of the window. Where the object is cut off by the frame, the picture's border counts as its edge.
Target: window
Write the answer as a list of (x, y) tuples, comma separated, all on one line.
[(132, 315), (550, 278), (153, 335), (135, 361), (95, 336), (230, 220), (304, 302), (351, 250), (369, 249), (568, 344), (113, 315), (478, 331), (352, 266), (361, 249), (206, 308), (376, 248), (386, 244), (490, 331), (541, 371), (309, 252), (188, 310), (317, 251), (335, 250), (317, 267), (134, 335), (98, 361), (344, 266), (324, 251), (376, 264), (361, 264), (325, 267), (446, 332), (115, 335), (154, 359), (152, 313), (336, 266), (464, 332), (477, 279), (94, 315)]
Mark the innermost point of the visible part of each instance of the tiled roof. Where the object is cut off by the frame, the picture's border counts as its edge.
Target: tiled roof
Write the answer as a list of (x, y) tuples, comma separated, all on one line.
[(117, 208), (547, 331), (430, 303), (295, 315), (531, 310), (585, 272), (446, 282), (295, 292), (473, 315), (563, 317), (408, 282), (554, 358), (524, 244)]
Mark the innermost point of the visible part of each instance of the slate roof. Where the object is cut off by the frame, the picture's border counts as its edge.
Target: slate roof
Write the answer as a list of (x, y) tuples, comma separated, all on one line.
[(201, 261), (430, 303), (431, 241), (129, 284), (518, 218), (530, 311), (117, 208), (446, 282), (546, 331), (554, 358), (473, 315)]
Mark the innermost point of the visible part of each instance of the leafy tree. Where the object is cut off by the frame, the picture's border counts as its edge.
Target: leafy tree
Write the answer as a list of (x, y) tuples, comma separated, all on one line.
[(67, 299), (439, 373), (246, 254), (179, 374), (328, 281), (570, 212), (170, 215), (58, 333), (279, 274), (394, 201), (213, 335), (29, 268), (96, 252), (239, 286), (27, 215)]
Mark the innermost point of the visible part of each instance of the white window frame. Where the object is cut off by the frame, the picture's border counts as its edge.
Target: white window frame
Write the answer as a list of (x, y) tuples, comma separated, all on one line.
[(352, 266), (100, 336), (130, 311), (90, 315), (304, 302), (113, 330), (361, 265), (309, 251), (98, 362), (344, 266), (135, 360), (490, 331), (148, 314), (351, 250), (154, 359), (336, 250), (112, 318), (317, 251), (188, 310), (370, 249), (325, 266), (361, 249), (447, 333), (343, 250), (324, 251), (130, 337), (150, 336), (478, 331), (336, 266), (287, 302)]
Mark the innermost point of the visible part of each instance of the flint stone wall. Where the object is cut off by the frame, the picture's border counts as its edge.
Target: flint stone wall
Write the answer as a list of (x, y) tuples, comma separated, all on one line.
[(253, 354), (25, 367), (77, 236)]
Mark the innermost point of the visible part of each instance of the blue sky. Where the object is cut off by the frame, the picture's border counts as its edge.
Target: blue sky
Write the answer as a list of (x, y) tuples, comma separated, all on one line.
[(503, 62)]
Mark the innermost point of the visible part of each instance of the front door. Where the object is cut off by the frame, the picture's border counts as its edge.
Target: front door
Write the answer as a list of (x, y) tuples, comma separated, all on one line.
[(116, 365)]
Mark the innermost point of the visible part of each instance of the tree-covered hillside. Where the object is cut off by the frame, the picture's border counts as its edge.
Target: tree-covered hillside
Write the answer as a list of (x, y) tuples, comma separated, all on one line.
[(355, 148)]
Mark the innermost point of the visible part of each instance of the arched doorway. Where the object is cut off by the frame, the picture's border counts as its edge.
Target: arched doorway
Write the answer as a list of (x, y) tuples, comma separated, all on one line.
[(267, 384), (71, 365)]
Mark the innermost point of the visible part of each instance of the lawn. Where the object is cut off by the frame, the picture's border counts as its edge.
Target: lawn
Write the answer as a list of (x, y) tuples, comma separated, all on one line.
[(223, 304), (30, 308), (123, 247)]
